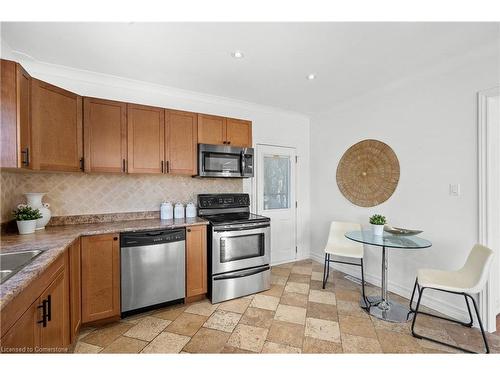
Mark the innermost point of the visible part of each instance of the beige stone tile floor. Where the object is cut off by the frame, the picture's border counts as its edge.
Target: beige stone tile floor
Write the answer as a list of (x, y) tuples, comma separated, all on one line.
[(295, 316)]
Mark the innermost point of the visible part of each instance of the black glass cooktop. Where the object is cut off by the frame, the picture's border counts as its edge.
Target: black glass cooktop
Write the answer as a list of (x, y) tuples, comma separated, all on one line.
[(235, 217)]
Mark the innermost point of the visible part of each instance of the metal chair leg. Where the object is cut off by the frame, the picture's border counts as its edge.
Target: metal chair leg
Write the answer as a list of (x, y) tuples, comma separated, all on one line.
[(413, 294), (416, 312), (480, 322), (325, 276), (470, 313)]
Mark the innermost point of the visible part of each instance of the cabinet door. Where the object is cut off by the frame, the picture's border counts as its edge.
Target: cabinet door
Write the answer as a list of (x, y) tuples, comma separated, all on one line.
[(196, 260), (146, 136), (181, 142), (56, 333), (75, 289), (23, 336), (100, 277), (238, 133), (15, 115), (105, 135), (211, 129), (56, 119)]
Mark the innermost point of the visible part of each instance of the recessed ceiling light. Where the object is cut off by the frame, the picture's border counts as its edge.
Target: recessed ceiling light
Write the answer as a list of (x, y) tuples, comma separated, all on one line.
[(237, 54), (311, 76)]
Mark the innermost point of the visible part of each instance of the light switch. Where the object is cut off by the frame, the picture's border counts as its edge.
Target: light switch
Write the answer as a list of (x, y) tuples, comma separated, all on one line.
[(455, 190)]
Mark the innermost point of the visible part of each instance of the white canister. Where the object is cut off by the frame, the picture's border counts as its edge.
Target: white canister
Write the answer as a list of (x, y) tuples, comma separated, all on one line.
[(179, 211), (166, 211), (190, 210)]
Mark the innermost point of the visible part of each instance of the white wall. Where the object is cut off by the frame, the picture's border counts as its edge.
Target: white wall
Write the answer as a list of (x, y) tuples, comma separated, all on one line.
[(270, 125), (430, 122)]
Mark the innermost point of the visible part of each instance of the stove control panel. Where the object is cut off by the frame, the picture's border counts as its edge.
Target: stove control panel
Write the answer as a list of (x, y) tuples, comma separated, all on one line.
[(223, 200)]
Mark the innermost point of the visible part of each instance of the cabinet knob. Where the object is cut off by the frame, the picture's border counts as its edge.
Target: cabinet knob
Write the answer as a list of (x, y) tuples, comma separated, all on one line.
[(115, 238), (189, 230)]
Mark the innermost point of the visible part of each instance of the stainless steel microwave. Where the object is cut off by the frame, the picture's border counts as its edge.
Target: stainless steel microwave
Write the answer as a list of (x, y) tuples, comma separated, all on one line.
[(225, 161)]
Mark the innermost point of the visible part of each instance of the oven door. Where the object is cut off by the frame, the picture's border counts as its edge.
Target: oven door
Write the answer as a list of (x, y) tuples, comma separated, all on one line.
[(236, 247)]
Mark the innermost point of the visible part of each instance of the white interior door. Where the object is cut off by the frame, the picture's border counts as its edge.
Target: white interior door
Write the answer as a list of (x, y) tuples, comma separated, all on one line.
[(276, 198)]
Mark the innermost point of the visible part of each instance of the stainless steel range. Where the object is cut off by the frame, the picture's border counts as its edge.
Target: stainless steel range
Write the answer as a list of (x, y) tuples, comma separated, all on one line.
[(239, 246)]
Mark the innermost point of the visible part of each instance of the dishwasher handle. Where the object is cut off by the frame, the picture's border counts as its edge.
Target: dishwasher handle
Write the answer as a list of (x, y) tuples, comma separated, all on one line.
[(133, 239)]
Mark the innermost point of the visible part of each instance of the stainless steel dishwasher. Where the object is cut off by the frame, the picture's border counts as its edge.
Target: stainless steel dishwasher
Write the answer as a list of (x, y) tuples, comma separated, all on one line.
[(152, 268)]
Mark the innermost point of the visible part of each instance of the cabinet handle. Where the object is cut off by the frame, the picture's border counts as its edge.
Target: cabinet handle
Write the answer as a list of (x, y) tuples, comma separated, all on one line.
[(224, 142), (82, 164), (43, 306), (115, 238), (228, 142), (162, 166), (26, 160), (49, 308), (168, 167), (124, 167)]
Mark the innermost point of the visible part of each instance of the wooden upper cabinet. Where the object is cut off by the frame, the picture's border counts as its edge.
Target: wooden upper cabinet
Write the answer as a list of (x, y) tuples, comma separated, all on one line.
[(15, 131), (105, 135), (238, 133), (215, 130), (211, 129), (146, 139), (56, 124), (100, 277), (196, 260), (181, 142)]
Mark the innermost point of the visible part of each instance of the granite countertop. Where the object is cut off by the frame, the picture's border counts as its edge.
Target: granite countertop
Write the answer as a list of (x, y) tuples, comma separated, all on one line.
[(54, 240)]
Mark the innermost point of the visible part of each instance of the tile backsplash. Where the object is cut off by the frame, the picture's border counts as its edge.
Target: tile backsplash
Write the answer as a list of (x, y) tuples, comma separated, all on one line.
[(81, 193)]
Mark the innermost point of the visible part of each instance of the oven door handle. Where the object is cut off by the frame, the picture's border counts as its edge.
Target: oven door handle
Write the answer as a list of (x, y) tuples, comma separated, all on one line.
[(241, 228), (236, 275)]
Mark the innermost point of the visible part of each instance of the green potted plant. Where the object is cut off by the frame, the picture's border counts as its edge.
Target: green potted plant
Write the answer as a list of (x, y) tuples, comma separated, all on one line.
[(378, 222), (26, 218)]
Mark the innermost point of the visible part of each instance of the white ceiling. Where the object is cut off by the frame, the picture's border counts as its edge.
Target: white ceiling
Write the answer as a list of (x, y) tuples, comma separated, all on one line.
[(348, 58)]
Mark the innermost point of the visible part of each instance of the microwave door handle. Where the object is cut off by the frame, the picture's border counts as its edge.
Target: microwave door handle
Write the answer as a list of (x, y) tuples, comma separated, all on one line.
[(242, 156)]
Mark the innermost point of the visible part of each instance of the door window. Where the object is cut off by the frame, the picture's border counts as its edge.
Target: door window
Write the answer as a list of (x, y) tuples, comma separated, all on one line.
[(276, 182)]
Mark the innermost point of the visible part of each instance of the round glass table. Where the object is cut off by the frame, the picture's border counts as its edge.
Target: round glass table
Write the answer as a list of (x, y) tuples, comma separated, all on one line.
[(381, 307)]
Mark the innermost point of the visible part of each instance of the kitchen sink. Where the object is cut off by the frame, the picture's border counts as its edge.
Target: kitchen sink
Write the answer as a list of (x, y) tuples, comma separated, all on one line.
[(10, 263)]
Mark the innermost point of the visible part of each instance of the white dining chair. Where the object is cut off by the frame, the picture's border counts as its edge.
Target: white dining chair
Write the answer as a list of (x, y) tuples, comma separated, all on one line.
[(340, 246), (468, 280)]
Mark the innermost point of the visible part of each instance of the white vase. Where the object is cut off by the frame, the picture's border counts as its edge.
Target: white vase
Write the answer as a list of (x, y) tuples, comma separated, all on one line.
[(378, 230), (26, 226), (34, 200)]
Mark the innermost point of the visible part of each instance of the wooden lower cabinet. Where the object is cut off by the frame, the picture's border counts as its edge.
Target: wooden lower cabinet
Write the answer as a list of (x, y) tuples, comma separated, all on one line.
[(196, 260), (100, 277), (75, 286), (55, 335), (44, 324), (24, 335)]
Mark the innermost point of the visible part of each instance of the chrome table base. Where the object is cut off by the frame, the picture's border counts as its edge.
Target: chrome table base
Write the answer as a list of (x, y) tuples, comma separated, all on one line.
[(381, 307), (387, 310)]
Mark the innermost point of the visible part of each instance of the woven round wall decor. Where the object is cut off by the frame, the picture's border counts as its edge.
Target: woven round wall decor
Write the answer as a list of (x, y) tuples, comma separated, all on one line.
[(368, 173)]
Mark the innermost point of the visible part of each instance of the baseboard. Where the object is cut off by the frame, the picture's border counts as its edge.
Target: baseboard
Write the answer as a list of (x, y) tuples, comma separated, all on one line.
[(430, 302), (291, 260)]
